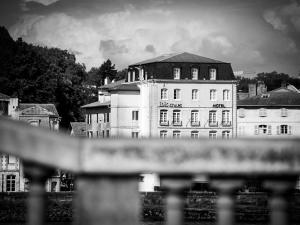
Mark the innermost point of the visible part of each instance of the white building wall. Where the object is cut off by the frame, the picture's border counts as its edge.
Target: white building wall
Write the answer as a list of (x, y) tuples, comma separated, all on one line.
[(273, 118), (122, 105)]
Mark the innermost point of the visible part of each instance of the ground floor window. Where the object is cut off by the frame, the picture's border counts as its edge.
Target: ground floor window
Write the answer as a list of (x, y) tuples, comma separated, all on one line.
[(10, 183), (212, 134), (226, 134), (134, 134), (163, 134), (262, 129), (176, 134), (283, 129), (195, 134)]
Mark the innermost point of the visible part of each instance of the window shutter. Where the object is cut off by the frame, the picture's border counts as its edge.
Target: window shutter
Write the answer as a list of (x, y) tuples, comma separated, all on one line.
[(278, 130), (269, 130), (256, 130), (290, 130)]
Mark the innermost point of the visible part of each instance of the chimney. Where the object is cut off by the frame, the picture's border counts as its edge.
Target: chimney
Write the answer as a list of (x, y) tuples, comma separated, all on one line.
[(106, 81), (252, 90)]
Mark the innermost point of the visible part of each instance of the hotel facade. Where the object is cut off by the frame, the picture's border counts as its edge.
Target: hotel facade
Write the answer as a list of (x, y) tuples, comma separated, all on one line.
[(171, 96)]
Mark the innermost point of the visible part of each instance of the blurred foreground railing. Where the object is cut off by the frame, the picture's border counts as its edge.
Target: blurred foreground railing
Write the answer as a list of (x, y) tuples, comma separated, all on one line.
[(108, 170)]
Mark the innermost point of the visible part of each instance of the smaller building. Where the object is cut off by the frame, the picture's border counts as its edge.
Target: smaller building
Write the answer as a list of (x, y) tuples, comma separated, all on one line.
[(270, 114), (41, 115)]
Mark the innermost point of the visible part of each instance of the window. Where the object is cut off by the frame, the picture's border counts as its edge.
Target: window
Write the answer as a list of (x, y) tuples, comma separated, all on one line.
[(194, 74), (176, 73), (212, 74), (106, 117), (226, 96), (284, 129), (212, 118), (163, 134), (261, 129), (194, 94), (194, 134), (212, 134), (10, 183), (241, 113), (164, 94), (134, 134), (107, 133), (163, 118), (12, 159), (135, 115), (213, 95), (226, 134), (89, 118), (35, 123), (262, 112), (226, 118), (195, 118), (177, 94), (176, 134), (176, 118), (284, 112), (90, 134)]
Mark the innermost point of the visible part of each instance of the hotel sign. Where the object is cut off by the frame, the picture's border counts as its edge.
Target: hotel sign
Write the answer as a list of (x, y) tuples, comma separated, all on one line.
[(170, 105), (218, 106)]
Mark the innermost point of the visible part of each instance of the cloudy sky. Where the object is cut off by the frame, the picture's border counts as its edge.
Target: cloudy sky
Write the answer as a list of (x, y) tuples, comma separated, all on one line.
[(254, 35)]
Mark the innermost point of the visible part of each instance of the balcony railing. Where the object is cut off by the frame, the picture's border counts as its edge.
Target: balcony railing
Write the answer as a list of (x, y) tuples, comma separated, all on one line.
[(163, 123), (195, 123), (177, 123), (226, 123), (213, 124), (108, 171)]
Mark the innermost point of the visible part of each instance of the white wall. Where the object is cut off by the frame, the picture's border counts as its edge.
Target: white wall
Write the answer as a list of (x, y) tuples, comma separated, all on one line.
[(246, 125)]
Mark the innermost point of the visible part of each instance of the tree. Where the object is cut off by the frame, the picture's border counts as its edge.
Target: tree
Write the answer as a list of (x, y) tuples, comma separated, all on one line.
[(97, 75)]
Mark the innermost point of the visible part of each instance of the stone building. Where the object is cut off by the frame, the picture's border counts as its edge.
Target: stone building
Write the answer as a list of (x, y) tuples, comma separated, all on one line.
[(40, 115), (170, 96)]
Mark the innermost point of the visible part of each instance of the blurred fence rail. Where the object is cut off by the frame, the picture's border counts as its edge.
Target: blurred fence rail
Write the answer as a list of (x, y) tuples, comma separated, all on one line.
[(108, 170)]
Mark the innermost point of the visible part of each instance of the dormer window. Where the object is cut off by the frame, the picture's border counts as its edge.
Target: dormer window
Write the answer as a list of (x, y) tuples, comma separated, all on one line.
[(212, 74), (176, 73), (194, 74)]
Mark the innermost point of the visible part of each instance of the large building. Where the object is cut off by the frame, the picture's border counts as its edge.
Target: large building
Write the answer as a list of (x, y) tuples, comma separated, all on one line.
[(269, 114), (42, 115), (170, 96)]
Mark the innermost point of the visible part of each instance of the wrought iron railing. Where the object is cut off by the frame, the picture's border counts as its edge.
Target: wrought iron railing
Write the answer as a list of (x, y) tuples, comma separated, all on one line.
[(108, 172)]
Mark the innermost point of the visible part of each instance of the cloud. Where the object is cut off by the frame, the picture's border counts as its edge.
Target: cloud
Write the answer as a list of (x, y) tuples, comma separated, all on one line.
[(274, 19), (133, 34), (150, 48), (43, 2), (285, 18)]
